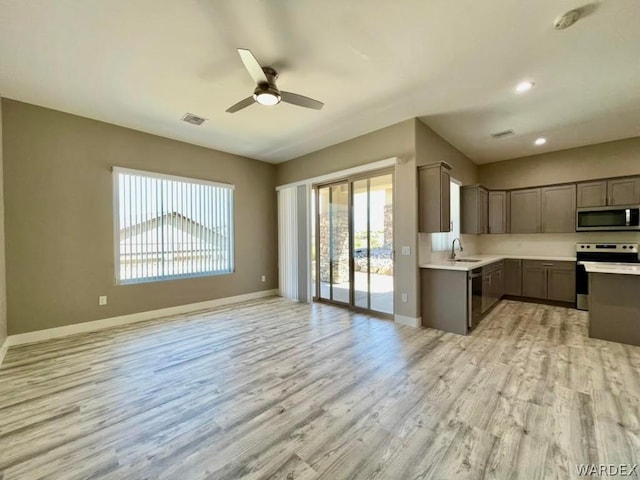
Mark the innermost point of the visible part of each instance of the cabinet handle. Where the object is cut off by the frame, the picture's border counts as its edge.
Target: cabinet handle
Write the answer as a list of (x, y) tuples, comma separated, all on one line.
[(546, 281), (547, 264)]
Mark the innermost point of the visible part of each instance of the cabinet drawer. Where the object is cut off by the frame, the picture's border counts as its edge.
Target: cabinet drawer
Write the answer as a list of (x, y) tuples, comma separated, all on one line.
[(558, 265), (492, 267)]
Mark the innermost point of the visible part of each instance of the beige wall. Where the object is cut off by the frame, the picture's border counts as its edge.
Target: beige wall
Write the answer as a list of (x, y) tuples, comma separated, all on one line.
[(431, 148), (395, 141), (3, 285), (59, 218), (603, 160), (611, 159)]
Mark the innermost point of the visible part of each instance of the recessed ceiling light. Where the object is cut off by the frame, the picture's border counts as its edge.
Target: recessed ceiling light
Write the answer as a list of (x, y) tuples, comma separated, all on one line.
[(540, 141), (524, 86)]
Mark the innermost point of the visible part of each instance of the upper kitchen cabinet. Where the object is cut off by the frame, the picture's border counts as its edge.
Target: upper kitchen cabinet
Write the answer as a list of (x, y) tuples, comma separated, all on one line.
[(623, 191), (498, 212), (434, 208), (474, 210), (592, 194), (559, 209), (525, 211)]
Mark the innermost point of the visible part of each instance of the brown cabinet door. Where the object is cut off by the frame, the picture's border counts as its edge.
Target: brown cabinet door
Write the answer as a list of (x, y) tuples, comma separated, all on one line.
[(486, 292), (534, 280), (474, 210), (497, 281), (623, 191), (445, 201), (513, 276), (497, 212), (483, 210), (525, 211), (592, 194), (559, 209), (434, 198), (561, 284)]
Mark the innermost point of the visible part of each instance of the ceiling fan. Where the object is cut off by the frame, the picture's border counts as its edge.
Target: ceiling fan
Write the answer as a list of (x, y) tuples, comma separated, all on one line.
[(266, 92)]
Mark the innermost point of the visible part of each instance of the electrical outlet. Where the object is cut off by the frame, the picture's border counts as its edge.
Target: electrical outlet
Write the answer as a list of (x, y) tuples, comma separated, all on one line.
[(102, 300), (405, 298), (406, 250), (263, 278)]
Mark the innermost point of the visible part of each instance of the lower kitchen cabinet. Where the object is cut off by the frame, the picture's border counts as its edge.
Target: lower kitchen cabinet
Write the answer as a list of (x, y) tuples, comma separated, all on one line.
[(492, 284), (548, 280), (534, 280), (456, 300), (513, 277), (561, 284), (486, 289)]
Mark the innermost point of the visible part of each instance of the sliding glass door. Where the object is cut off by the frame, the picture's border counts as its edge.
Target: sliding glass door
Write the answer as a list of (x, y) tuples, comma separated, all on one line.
[(333, 251), (353, 251)]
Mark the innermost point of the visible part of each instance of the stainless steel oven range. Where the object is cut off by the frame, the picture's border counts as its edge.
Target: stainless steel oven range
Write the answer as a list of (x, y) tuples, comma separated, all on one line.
[(599, 252)]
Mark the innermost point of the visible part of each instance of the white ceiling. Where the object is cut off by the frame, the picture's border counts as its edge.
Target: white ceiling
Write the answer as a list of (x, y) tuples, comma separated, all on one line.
[(454, 64)]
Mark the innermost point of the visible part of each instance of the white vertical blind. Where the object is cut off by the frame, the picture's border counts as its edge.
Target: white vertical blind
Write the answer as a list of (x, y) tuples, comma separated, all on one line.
[(171, 227), (288, 242)]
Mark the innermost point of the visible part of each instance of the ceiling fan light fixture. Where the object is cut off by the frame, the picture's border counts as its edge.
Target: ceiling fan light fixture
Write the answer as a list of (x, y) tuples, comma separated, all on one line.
[(524, 86), (267, 98)]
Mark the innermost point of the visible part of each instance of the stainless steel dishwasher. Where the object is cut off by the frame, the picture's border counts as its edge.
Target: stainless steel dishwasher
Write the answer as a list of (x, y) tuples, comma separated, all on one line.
[(474, 292)]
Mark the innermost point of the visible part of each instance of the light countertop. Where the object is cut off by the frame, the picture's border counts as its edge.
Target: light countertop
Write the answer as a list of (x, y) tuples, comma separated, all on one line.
[(486, 260), (616, 268)]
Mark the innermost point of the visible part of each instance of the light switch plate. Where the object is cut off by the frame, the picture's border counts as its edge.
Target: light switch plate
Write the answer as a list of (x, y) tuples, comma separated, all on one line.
[(405, 298), (406, 250), (102, 300)]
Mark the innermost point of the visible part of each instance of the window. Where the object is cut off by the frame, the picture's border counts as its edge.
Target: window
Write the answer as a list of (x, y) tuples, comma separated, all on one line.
[(441, 242), (171, 227)]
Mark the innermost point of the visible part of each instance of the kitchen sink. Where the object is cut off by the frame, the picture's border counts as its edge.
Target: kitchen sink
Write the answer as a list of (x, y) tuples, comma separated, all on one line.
[(466, 260)]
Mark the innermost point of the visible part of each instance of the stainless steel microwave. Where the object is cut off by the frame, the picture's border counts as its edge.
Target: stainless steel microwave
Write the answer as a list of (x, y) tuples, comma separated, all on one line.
[(595, 219)]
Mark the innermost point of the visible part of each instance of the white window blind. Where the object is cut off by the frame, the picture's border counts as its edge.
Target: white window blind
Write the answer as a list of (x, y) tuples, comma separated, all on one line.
[(288, 242), (169, 227)]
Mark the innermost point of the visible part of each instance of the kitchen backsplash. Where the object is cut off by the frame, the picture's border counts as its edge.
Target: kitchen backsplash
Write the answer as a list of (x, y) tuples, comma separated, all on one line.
[(425, 255), (552, 244), (541, 244)]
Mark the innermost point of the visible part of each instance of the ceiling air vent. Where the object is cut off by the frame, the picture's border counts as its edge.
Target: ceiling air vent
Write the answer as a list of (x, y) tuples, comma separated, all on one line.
[(193, 119), (504, 133)]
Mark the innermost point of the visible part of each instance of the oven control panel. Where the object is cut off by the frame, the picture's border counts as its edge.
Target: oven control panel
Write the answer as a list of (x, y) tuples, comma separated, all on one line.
[(607, 247)]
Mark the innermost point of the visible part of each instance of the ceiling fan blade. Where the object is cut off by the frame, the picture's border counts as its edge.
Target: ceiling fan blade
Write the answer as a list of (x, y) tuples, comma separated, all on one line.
[(241, 104), (301, 100), (252, 66)]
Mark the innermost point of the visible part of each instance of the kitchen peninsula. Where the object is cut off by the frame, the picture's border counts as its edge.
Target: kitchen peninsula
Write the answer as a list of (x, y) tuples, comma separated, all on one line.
[(456, 294)]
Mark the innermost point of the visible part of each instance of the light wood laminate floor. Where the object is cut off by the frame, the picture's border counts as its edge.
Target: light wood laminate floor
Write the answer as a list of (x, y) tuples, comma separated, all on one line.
[(276, 389)]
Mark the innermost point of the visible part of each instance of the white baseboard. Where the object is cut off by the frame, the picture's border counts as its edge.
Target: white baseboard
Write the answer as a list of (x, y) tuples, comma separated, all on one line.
[(3, 349), (408, 321), (48, 334)]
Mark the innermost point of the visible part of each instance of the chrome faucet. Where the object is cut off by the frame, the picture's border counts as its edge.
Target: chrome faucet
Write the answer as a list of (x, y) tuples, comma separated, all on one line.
[(453, 246)]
